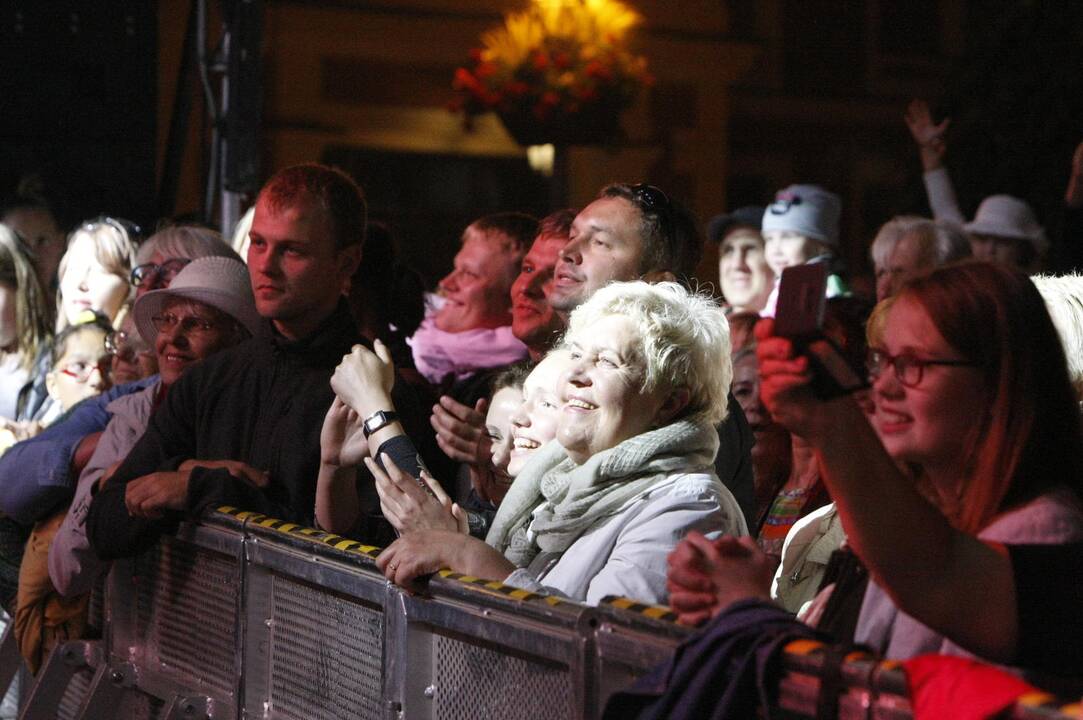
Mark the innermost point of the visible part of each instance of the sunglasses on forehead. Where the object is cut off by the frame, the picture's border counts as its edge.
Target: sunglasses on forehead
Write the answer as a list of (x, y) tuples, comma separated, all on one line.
[(652, 200), (127, 227)]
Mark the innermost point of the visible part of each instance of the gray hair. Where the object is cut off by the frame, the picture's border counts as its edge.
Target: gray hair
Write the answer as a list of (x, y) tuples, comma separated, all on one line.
[(684, 339), (941, 241), (888, 236), (185, 241)]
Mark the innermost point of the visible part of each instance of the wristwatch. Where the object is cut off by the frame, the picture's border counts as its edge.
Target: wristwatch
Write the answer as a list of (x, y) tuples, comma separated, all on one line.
[(378, 421)]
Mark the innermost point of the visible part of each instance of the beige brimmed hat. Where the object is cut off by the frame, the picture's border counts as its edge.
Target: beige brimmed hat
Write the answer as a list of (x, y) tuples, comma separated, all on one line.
[(220, 282), (1010, 217)]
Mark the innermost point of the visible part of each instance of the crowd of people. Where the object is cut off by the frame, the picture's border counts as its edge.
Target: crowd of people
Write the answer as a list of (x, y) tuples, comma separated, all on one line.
[(564, 414)]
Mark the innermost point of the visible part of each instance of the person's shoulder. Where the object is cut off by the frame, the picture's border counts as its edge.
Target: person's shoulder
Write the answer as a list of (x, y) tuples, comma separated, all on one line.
[(1053, 517)]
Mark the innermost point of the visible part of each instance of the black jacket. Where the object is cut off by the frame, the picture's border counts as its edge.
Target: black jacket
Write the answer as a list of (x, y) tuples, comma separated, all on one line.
[(262, 402)]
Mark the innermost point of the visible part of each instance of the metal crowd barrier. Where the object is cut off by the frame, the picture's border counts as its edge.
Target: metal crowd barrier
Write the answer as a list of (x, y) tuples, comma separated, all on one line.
[(245, 616)]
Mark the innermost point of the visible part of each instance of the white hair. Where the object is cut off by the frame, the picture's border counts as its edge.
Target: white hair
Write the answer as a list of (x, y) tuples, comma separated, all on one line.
[(1063, 296), (888, 236), (685, 339)]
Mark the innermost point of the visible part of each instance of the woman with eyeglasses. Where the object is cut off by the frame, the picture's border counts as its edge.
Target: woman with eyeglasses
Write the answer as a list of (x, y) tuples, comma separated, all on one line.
[(971, 390), (132, 358)]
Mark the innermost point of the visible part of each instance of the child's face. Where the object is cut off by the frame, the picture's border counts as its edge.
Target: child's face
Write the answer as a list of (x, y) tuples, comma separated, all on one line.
[(784, 249), (82, 371)]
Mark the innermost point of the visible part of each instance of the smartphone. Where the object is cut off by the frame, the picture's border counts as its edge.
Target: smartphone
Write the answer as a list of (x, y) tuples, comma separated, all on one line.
[(799, 316), (802, 298)]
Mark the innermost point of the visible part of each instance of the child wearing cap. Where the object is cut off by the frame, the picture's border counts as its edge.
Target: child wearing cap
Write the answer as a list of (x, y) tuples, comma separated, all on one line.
[(801, 226)]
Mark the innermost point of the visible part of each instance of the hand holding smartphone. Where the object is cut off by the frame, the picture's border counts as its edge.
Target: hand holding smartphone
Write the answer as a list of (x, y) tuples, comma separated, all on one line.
[(799, 317)]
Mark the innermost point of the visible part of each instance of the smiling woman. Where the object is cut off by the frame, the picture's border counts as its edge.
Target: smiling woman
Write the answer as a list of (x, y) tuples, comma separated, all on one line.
[(596, 511)]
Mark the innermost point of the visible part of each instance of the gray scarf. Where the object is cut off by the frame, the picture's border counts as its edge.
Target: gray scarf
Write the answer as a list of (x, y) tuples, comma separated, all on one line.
[(579, 497)]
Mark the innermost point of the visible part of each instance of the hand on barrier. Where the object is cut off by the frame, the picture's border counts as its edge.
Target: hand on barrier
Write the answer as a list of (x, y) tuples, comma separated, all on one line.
[(422, 553), (928, 135), (407, 505), (236, 468), (460, 431), (364, 379), (706, 577), (342, 440), (150, 495)]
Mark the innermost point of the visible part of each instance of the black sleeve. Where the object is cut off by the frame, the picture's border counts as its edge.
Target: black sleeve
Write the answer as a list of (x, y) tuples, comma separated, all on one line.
[(733, 464), (1049, 600)]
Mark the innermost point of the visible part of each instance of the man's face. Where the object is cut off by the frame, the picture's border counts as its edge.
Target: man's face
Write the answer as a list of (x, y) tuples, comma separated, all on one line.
[(477, 289), (604, 246), (296, 271), (533, 320), (743, 274)]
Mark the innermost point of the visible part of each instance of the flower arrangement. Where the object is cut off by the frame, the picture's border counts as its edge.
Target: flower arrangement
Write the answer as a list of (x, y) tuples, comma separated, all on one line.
[(558, 61)]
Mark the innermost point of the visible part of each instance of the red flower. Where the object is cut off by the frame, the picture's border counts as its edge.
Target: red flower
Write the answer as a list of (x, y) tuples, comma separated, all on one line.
[(597, 70), (540, 60), (485, 69), (465, 81), (561, 60), (550, 99), (517, 88), (587, 94)]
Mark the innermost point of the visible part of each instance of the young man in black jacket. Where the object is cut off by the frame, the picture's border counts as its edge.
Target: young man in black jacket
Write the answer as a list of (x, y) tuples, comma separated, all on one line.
[(243, 428)]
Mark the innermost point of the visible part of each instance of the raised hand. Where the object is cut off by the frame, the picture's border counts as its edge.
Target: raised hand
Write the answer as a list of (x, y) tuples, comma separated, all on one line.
[(928, 135), (364, 379), (342, 440), (460, 431), (408, 506)]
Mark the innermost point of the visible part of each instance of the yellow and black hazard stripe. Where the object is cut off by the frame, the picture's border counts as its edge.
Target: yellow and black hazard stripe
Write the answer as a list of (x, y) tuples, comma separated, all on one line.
[(304, 532), (499, 587), (654, 612)]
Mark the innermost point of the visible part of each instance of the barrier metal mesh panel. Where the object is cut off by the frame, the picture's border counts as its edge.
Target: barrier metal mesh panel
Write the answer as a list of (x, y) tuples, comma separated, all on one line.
[(326, 655), (474, 682), (186, 609), (74, 694)]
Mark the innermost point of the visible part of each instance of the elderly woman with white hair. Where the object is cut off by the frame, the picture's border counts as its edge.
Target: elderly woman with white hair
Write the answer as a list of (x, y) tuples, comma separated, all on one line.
[(596, 511)]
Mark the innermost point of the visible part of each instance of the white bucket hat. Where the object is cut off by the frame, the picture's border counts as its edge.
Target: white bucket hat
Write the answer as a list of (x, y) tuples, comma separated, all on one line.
[(1009, 217), (220, 282)]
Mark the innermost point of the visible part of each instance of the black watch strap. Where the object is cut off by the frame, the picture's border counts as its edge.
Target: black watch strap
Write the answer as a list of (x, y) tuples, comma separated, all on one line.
[(378, 420)]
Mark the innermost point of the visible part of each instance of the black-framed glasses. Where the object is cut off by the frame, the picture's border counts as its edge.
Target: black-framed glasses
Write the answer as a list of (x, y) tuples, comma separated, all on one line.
[(155, 275), (651, 199), (908, 369), (191, 326)]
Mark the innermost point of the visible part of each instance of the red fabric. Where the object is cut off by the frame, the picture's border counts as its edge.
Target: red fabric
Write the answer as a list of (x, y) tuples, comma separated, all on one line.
[(943, 687)]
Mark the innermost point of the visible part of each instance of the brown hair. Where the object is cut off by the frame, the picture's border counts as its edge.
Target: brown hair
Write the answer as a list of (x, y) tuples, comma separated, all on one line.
[(1028, 438), (330, 189)]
